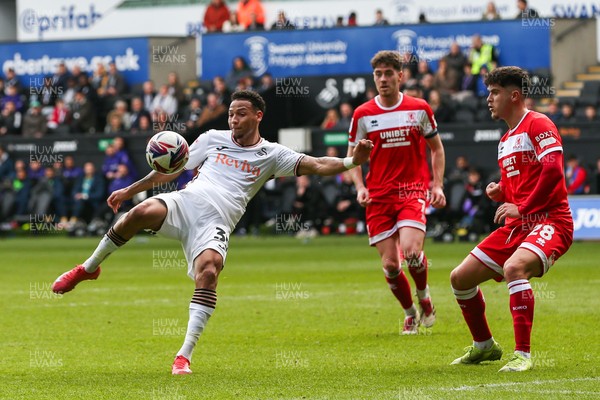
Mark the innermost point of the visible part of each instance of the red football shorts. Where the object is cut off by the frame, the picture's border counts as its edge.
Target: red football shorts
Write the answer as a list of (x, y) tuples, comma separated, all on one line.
[(548, 240), (384, 219)]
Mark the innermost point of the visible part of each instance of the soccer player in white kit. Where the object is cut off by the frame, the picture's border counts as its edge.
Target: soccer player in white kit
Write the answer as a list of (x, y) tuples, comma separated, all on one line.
[(233, 166)]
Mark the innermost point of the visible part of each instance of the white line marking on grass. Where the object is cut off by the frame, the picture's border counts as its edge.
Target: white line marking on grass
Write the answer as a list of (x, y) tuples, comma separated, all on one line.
[(509, 384)]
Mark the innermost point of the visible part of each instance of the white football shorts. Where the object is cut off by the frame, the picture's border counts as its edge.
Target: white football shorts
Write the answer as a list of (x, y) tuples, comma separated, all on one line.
[(196, 224)]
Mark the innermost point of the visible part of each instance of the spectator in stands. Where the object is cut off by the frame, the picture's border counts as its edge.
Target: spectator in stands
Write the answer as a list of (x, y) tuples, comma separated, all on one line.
[(441, 110), (15, 197), (60, 119), (47, 94), (352, 19), (60, 77), (240, 69), (423, 18), (192, 112), (553, 112), (12, 81), (232, 25), (12, 95), (123, 156), (34, 122), (576, 176), (267, 83), (308, 206), (407, 78), (70, 174), (282, 22), (426, 84), (76, 72), (148, 95), (445, 79), (120, 111), (482, 55), (456, 62), (110, 163), (103, 214), (590, 114), (46, 197), (7, 167), (114, 125), (525, 11), (68, 96), (422, 69), (247, 7), (211, 111), (2, 87), (100, 80), (88, 194), (332, 118), (255, 25), (221, 90), (245, 83), (116, 84), (567, 113), (349, 215), (410, 60), (413, 91), (137, 112), (35, 171), (346, 111), (84, 117), (460, 172), (530, 104), (482, 90), (145, 125), (379, 19), (215, 15), (491, 13), (468, 85), (85, 86), (176, 88), (597, 172), (474, 203), (10, 120), (339, 22), (164, 102)]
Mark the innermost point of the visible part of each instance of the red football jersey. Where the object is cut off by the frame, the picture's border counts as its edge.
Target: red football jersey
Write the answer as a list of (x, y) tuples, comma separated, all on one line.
[(398, 133), (519, 153)]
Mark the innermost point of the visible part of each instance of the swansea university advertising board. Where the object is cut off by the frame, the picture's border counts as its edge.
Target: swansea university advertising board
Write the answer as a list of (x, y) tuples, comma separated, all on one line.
[(348, 50)]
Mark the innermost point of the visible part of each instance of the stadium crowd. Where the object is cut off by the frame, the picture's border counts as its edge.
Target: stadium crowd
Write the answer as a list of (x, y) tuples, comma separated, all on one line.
[(75, 103)]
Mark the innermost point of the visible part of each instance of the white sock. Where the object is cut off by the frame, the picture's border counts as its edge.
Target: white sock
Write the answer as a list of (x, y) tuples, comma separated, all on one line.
[(524, 354), (485, 345), (104, 249), (199, 316), (423, 294), (411, 312)]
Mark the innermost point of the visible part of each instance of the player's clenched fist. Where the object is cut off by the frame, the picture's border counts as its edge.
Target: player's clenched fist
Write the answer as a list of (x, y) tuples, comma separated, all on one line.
[(494, 192), (362, 151)]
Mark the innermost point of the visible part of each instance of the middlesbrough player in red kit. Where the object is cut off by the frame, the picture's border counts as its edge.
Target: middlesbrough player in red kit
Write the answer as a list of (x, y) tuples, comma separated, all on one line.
[(538, 226), (396, 194)]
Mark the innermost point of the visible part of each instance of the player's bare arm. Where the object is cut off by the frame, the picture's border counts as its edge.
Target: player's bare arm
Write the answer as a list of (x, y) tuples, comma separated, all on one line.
[(119, 196), (438, 163), (325, 166), (362, 193)]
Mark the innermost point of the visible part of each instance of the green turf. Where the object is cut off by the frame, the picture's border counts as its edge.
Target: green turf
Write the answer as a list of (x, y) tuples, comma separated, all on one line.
[(294, 321)]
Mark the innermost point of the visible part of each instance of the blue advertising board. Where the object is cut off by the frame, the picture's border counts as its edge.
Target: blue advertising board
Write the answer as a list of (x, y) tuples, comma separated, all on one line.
[(33, 61), (586, 217), (341, 51)]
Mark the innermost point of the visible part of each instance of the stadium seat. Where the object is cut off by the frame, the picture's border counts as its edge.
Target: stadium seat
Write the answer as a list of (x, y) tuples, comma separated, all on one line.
[(469, 103), (464, 116)]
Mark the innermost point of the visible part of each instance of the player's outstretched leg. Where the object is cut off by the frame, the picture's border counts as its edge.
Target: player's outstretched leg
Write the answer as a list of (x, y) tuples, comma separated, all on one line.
[(149, 214), (207, 267), (398, 283), (465, 280), (522, 265)]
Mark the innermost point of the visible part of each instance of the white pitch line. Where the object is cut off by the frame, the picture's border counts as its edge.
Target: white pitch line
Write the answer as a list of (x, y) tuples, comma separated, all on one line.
[(509, 384)]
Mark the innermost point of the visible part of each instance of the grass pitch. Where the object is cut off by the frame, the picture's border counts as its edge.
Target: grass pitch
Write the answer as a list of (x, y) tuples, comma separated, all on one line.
[(293, 321)]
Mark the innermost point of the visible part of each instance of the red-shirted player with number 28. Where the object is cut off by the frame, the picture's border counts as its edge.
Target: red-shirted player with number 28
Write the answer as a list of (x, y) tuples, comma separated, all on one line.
[(538, 227), (396, 193)]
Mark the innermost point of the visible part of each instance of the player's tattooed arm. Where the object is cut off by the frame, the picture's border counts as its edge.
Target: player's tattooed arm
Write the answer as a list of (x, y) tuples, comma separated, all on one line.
[(332, 165), (146, 183)]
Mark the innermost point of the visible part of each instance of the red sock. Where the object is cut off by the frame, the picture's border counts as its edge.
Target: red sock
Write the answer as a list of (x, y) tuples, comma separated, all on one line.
[(472, 304), (401, 288), (418, 270), (522, 304)]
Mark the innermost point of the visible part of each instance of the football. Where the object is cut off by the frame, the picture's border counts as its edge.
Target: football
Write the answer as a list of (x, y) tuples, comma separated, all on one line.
[(167, 152)]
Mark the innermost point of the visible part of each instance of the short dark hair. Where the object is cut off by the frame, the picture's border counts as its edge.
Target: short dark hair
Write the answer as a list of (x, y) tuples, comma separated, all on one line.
[(387, 57), (254, 98), (509, 76)]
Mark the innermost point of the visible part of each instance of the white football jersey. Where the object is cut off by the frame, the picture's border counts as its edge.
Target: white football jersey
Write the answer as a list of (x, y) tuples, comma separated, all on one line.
[(230, 175)]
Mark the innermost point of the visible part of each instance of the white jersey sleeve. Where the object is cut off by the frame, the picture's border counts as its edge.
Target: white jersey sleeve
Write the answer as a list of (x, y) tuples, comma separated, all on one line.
[(287, 161), (198, 151)]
